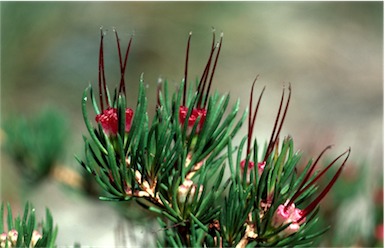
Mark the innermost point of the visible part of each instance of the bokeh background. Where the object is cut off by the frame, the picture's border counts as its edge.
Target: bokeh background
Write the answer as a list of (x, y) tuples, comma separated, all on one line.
[(330, 52)]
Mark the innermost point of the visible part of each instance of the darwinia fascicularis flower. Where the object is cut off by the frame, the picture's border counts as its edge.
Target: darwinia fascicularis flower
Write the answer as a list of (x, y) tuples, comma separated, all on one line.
[(175, 164), (286, 218), (199, 110), (108, 118)]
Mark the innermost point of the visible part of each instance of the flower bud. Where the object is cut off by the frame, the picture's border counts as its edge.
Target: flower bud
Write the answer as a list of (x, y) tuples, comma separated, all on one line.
[(35, 237), (282, 215), (3, 237), (288, 214), (3, 240), (296, 216), (12, 236), (261, 167), (6, 243), (249, 167), (292, 228), (188, 188)]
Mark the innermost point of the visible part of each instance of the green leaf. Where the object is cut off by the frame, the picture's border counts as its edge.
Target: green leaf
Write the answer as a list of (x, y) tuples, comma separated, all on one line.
[(88, 124), (200, 224), (1, 218), (94, 104), (121, 115), (10, 217), (169, 211)]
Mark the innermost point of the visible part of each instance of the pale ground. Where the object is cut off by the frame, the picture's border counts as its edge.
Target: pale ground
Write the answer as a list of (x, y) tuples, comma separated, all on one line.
[(331, 53)]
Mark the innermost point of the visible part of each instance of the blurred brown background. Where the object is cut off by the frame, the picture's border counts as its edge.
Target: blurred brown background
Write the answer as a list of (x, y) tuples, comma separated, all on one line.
[(330, 52)]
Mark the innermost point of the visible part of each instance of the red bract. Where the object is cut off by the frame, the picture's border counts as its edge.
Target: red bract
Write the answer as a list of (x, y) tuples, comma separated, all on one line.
[(109, 120), (195, 114)]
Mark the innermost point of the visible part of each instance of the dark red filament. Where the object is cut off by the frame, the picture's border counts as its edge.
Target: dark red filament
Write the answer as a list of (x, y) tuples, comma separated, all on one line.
[(102, 78), (307, 176), (252, 116), (275, 133), (122, 87), (203, 81), (317, 200), (186, 69), (212, 72)]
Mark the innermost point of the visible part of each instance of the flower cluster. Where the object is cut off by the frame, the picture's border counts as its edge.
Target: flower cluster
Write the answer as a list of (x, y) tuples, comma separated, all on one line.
[(175, 165), (23, 230), (199, 109), (109, 116), (279, 166), (9, 239)]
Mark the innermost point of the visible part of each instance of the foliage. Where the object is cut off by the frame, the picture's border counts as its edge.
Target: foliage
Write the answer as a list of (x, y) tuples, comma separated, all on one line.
[(35, 143), (24, 231)]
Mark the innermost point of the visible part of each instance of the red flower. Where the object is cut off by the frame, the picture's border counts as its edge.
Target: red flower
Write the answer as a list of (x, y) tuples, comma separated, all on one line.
[(203, 88), (109, 120), (109, 116), (195, 114)]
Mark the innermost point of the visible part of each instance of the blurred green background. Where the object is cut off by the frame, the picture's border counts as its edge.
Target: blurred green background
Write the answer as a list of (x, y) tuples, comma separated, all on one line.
[(330, 52)]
